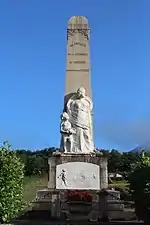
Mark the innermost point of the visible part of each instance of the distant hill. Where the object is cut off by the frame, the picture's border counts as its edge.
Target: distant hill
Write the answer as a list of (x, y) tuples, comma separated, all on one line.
[(140, 148)]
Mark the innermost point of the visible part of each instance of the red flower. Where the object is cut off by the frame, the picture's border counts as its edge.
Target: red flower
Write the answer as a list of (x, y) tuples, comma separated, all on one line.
[(79, 196)]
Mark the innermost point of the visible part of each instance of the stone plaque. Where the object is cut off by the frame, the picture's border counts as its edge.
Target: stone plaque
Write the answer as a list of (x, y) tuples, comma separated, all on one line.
[(78, 175)]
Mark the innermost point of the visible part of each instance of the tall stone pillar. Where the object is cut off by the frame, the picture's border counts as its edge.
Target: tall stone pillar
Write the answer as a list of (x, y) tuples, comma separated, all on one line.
[(78, 56)]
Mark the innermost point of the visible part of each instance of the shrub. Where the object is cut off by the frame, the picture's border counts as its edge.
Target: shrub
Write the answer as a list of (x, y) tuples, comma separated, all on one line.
[(139, 180), (11, 184)]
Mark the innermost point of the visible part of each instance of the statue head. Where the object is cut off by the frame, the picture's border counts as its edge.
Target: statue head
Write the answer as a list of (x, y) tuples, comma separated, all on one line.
[(81, 92), (65, 116)]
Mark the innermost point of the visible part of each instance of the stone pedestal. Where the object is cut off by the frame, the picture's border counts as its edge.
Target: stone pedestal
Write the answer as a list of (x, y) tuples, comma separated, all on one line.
[(83, 168), (83, 172)]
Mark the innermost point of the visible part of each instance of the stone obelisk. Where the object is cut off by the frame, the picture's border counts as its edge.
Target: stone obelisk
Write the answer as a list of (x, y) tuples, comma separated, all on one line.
[(78, 56)]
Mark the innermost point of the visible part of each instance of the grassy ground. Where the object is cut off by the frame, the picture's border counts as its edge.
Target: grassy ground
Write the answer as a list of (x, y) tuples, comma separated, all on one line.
[(119, 184), (32, 184)]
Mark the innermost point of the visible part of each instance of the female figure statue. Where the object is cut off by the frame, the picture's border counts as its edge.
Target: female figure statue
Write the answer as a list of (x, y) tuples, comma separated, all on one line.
[(79, 109)]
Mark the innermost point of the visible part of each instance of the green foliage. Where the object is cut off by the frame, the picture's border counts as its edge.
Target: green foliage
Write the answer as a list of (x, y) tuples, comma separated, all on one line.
[(11, 183), (139, 180), (118, 162), (36, 162), (114, 161)]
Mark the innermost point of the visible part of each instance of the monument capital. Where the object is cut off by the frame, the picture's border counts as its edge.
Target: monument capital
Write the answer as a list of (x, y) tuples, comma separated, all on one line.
[(78, 20)]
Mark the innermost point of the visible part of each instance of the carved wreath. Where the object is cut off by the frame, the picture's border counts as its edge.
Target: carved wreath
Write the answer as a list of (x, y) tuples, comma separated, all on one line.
[(84, 32)]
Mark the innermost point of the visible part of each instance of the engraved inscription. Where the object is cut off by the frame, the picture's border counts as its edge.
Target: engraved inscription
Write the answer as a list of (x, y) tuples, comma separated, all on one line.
[(78, 54), (79, 62), (79, 70), (81, 53), (77, 43)]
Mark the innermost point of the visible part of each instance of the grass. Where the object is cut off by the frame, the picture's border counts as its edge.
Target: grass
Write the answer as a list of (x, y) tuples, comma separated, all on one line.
[(32, 185), (119, 184)]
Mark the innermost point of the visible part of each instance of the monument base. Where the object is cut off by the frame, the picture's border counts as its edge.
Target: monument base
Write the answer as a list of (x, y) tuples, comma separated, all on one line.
[(54, 202), (89, 173), (78, 171)]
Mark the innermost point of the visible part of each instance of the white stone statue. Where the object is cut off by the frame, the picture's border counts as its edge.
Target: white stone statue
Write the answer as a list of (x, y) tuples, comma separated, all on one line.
[(79, 109), (67, 132)]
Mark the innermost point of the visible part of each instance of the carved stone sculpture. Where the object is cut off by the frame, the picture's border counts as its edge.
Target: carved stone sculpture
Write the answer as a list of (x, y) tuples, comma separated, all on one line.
[(76, 127), (67, 132)]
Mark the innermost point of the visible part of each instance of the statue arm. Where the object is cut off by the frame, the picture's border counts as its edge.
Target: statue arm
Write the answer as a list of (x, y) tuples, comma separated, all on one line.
[(68, 105), (90, 111), (90, 106), (61, 129), (68, 131)]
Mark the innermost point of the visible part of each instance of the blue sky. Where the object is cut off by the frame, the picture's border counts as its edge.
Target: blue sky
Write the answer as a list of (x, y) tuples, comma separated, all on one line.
[(32, 70)]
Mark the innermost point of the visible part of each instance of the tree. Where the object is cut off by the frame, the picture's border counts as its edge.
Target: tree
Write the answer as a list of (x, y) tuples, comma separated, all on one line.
[(127, 160), (114, 161), (36, 162), (11, 183)]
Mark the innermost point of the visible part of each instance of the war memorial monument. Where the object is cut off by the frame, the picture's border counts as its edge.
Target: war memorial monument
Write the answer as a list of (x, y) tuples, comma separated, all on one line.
[(78, 165)]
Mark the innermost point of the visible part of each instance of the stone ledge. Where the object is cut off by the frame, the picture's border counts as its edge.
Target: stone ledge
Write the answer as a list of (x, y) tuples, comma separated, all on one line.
[(53, 222)]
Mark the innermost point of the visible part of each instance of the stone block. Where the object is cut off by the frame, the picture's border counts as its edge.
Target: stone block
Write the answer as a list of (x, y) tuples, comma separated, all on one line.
[(48, 199), (59, 162), (113, 195), (113, 205)]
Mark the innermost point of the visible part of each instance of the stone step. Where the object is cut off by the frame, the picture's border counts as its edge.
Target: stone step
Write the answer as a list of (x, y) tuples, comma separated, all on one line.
[(115, 205), (126, 215), (37, 222), (36, 214), (44, 217)]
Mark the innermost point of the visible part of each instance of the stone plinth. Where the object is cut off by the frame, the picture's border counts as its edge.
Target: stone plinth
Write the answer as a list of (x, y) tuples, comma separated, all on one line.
[(79, 164), (55, 201)]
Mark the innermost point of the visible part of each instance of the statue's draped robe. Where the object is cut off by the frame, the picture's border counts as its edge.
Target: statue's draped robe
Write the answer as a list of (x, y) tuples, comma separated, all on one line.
[(80, 116)]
